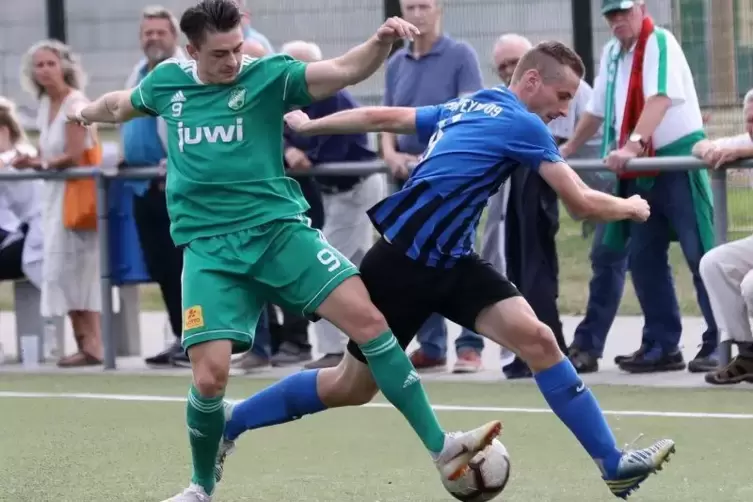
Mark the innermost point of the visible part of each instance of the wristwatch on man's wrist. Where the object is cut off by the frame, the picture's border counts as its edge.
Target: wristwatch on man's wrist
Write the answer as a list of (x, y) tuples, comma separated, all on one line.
[(638, 139)]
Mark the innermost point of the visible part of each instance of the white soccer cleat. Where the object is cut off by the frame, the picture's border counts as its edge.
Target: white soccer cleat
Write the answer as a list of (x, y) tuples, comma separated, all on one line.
[(194, 493), (460, 447), (226, 448)]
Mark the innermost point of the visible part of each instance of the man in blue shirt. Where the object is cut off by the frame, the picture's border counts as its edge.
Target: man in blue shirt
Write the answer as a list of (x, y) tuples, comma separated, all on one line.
[(431, 70), (425, 261), (144, 143)]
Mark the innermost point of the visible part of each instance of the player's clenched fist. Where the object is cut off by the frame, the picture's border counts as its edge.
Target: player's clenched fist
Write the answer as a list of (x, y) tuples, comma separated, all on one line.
[(297, 120), (640, 210), (394, 29)]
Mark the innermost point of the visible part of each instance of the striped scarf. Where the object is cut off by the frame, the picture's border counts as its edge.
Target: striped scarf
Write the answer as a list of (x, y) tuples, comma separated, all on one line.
[(635, 98)]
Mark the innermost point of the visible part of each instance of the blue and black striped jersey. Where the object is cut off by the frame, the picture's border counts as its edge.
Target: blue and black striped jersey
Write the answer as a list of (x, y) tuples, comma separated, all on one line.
[(475, 144)]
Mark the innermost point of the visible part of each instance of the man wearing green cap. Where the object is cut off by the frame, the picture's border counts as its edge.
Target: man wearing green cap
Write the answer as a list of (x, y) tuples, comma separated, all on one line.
[(645, 97)]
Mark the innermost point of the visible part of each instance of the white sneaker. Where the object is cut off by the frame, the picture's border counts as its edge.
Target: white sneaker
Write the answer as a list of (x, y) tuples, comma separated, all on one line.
[(194, 493), (226, 447), (460, 447)]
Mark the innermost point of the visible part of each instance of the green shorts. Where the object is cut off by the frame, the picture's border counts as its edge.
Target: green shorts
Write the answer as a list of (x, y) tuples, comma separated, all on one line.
[(228, 279)]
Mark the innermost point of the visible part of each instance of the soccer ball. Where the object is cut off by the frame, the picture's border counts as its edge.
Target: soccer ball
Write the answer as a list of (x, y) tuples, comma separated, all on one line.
[(486, 477)]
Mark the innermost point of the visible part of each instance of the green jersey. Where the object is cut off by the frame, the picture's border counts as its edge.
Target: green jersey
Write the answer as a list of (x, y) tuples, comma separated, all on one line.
[(225, 170)]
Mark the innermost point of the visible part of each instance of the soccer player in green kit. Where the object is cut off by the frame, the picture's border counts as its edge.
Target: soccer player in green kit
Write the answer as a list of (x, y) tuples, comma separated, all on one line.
[(240, 221)]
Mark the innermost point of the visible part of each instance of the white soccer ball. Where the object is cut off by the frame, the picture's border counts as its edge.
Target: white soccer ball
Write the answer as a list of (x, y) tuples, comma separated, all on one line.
[(486, 477)]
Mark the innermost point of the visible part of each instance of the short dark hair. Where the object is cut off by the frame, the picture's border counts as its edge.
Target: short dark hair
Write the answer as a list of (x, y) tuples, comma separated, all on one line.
[(548, 58), (216, 16)]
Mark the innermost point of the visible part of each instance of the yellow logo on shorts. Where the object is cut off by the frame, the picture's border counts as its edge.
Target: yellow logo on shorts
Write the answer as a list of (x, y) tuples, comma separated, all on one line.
[(193, 318)]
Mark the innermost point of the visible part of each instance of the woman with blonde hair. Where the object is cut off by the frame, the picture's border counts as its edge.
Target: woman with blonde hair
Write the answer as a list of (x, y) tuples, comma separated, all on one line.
[(70, 275)]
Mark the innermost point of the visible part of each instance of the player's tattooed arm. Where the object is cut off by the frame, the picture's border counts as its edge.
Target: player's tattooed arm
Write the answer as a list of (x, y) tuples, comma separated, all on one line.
[(113, 107), (585, 202), (399, 120), (324, 78)]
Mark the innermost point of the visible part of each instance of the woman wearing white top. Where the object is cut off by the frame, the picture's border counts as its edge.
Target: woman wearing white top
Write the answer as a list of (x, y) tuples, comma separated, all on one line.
[(20, 206), (70, 274)]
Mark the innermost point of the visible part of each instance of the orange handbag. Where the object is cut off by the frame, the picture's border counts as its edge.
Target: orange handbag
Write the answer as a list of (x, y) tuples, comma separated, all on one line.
[(80, 200)]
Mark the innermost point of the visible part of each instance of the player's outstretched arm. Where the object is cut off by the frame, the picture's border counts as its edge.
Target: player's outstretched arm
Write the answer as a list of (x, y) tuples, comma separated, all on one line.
[(585, 202), (399, 120), (324, 78), (113, 107)]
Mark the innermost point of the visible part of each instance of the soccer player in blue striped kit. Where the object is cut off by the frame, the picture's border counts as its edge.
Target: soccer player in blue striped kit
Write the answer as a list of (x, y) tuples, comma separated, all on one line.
[(425, 262)]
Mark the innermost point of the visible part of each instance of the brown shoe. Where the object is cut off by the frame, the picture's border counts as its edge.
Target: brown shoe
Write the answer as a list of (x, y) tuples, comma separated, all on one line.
[(326, 361), (250, 362), (427, 364), (738, 370)]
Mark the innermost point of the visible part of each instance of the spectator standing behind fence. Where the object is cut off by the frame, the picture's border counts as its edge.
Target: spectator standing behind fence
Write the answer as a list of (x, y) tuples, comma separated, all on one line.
[(144, 143), (70, 276), (431, 70), (727, 270), (346, 198), (21, 238), (659, 115)]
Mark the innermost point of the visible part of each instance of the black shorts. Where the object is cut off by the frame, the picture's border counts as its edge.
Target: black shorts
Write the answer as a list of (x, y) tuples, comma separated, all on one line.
[(407, 292)]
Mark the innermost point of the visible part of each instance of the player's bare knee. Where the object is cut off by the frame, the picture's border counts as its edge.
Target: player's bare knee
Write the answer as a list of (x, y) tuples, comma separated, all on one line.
[(210, 380), (211, 366), (366, 323), (538, 348), (210, 375), (350, 308)]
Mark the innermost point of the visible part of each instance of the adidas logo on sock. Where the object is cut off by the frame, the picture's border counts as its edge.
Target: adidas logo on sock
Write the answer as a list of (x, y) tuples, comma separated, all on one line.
[(411, 379), (196, 433)]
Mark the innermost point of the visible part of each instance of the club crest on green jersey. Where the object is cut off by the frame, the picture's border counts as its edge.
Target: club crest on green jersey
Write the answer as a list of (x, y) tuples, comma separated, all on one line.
[(237, 98)]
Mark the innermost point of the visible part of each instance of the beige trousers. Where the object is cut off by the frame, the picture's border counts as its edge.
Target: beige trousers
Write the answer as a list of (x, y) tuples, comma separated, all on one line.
[(727, 272)]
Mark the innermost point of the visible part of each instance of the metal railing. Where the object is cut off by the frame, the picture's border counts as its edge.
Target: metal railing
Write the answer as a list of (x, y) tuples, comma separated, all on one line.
[(104, 176)]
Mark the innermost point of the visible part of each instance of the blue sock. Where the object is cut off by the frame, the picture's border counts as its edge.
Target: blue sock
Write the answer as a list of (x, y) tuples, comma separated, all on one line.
[(578, 409), (287, 400)]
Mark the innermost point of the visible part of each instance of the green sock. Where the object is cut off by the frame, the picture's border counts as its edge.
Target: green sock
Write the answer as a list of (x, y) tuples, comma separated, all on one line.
[(205, 418), (400, 384)]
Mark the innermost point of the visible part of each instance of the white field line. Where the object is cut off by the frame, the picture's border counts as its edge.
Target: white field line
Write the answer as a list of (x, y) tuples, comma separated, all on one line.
[(437, 407)]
